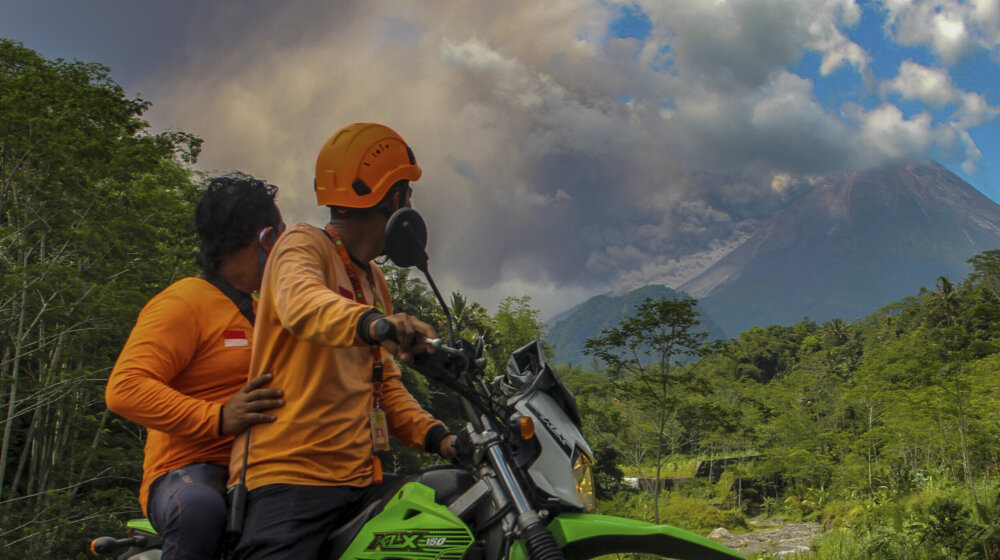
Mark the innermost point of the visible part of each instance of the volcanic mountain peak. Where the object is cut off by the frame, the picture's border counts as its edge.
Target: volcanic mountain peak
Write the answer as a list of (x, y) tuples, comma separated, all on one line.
[(854, 243)]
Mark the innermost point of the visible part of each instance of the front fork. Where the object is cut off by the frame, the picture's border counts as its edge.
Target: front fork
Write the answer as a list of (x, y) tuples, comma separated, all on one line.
[(527, 523)]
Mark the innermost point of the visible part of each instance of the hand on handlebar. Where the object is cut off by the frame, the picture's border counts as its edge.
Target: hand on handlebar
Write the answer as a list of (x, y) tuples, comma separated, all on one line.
[(448, 449), (403, 335), (461, 452)]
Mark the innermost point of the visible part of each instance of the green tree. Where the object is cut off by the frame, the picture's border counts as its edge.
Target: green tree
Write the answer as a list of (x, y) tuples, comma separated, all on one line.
[(664, 330), (515, 324), (411, 295), (986, 269), (471, 320), (943, 303), (95, 217)]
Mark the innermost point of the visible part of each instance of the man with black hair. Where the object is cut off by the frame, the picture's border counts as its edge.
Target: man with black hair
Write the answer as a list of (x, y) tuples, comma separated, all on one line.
[(182, 371), (324, 331)]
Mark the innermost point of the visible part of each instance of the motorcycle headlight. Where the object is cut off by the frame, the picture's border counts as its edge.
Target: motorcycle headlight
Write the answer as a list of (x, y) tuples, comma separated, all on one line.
[(584, 478)]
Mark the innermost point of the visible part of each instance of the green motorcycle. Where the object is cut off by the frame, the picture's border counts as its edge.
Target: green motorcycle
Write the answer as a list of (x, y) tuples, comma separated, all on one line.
[(529, 493)]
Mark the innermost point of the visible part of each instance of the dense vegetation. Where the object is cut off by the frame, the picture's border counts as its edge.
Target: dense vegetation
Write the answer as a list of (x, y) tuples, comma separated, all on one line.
[(95, 217), (886, 429)]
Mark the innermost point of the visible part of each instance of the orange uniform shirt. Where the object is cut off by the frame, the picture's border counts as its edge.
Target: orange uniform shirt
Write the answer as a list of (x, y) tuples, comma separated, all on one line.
[(306, 335), (188, 353)]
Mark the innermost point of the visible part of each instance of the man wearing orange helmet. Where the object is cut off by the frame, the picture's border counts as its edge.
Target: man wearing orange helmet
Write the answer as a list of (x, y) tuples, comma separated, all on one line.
[(323, 324)]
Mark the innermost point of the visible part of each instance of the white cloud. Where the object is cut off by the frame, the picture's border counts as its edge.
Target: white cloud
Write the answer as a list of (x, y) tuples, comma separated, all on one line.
[(827, 38), (950, 27), (972, 152), (933, 86), (974, 111), (740, 43), (929, 85), (887, 136)]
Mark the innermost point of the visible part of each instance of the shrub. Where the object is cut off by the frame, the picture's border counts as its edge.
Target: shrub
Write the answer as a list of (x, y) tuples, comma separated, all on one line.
[(698, 516), (947, 525)]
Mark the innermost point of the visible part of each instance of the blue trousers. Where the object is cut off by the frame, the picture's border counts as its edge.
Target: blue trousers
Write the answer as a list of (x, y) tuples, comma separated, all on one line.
[(187, 507)]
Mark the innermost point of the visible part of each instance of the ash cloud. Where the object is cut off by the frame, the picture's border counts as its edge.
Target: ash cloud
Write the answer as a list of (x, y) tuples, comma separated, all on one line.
[(558, 161)]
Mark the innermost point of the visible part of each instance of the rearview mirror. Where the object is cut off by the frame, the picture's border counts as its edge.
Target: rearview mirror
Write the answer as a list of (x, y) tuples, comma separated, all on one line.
[(406, 244), (406, 239)]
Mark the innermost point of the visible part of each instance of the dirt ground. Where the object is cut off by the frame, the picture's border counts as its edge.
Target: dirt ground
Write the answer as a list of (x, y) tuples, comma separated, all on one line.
[(775, 536)]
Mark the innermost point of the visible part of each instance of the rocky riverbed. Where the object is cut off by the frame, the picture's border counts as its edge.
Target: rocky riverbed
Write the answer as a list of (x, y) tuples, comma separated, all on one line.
[(770, 535)]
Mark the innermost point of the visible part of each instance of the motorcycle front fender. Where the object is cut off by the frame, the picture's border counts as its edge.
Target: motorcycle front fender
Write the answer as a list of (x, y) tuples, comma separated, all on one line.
[(584, 535)]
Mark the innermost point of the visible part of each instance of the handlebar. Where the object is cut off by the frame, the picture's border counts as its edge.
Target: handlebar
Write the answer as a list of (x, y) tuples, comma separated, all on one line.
[(459, 368), (447, 362), (439, 344)]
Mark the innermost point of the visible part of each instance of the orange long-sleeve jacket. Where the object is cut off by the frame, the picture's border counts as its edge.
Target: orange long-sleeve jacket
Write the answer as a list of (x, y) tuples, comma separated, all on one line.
[(188, 353), (306, 336)]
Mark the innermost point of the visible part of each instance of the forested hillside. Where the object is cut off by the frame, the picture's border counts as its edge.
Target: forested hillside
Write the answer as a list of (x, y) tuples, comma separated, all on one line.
[(885, 428)]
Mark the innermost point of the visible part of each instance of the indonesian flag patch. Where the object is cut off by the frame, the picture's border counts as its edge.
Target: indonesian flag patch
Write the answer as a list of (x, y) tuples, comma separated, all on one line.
[(235, 339)]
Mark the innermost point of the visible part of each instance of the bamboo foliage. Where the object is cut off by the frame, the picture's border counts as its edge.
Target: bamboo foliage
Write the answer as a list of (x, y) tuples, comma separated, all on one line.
[(95, 217)]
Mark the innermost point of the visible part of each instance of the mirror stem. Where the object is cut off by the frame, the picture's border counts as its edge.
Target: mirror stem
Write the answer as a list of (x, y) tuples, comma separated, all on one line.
[(437, 294)]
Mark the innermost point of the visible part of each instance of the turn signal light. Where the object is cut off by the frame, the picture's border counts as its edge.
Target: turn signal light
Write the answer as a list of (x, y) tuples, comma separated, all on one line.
[(584, 478), (527, 426)]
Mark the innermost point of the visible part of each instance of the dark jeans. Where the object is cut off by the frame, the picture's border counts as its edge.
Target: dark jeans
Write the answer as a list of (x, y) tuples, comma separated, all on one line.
[(290, 521), (187, 507)]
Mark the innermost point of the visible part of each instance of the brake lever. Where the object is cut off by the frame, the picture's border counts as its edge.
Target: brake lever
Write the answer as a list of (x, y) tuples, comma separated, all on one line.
[(440, 346)]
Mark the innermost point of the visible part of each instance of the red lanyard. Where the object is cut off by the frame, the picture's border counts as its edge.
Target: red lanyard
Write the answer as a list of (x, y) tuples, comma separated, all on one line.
[(359, 296)]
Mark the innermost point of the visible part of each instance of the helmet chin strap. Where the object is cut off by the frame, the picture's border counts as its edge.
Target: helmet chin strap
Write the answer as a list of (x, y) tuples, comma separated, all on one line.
[(397, 197), (261, 262), (384, 209), (262, 254)]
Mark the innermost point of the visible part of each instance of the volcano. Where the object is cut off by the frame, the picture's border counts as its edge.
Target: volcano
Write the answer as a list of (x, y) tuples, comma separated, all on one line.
[(853, 244)]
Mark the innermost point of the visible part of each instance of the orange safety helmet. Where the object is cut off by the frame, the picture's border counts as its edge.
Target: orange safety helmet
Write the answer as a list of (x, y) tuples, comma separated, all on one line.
[(358, 165)]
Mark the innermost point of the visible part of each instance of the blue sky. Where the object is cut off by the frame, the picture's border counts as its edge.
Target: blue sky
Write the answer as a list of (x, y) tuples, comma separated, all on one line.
[(568, 148)]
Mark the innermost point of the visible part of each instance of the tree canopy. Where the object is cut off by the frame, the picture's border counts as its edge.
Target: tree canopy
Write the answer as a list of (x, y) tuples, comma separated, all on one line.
[(95, 217)]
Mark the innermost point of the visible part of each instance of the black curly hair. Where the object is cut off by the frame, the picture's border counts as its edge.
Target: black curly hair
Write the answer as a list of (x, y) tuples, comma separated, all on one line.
[(233, 208)]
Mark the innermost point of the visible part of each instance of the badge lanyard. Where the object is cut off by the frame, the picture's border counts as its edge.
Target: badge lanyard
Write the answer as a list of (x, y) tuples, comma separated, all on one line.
[(380, 429)]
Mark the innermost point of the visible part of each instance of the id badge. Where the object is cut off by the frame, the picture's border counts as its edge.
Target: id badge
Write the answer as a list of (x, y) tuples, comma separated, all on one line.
[(380, 430)]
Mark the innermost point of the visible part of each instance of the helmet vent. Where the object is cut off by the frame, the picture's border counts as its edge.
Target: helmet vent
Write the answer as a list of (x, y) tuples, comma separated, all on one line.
[(382, 147), (360, 187)]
